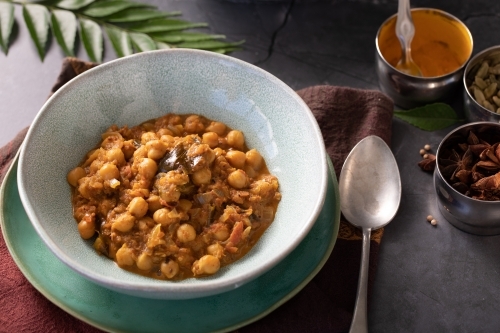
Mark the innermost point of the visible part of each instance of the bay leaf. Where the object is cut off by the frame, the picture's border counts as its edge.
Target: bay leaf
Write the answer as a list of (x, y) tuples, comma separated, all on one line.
[(430, 117)]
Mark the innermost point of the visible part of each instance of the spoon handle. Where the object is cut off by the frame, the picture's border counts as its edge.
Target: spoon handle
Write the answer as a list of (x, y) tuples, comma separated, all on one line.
[(359, 322), (404, 25)]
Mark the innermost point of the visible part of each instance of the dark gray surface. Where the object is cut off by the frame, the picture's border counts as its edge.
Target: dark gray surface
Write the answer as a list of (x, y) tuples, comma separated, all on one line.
[(429, 279)]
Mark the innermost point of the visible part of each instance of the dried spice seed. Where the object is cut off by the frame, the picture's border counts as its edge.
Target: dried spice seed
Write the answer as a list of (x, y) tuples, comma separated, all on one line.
[(434, 222), (483, 82), (427, 147), (422, 152), (429, 218)]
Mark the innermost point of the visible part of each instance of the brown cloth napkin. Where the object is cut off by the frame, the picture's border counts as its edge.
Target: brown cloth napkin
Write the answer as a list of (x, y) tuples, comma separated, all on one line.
[(326, 304)]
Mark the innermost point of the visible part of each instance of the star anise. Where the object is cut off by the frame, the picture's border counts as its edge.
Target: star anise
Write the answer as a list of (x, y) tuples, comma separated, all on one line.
[(457, 167)]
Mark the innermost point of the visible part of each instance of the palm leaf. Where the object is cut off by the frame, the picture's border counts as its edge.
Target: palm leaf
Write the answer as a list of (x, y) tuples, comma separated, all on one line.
[(106, 8), (130, 26), (91, 36), (64, 27), (120, 41), (6, 23), (37, 21)]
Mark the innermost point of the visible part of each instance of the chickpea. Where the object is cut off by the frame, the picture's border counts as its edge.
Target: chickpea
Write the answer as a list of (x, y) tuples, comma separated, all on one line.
[(156, 149), (216, 250), (75, 175), (216, 127), (148, 168), (115, 155), (140, 152), (250, 171), (221, 233), (211, 139), (167, 138), (164, 131), (123, 222), (186, 233), (238, 179), (201, 176), (148, 136), (235, 139), (154, 203), (138, 207), (208, 264), (109, 171), (112, 140), (86, 228), (165, 217), (254, 159), (184, 205), (236, 158), (124, 256), (144, 262), (169, 269), (193, 124)]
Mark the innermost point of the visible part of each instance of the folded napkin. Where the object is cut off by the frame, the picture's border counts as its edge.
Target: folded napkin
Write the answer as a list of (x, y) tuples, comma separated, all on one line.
[(326, 304)]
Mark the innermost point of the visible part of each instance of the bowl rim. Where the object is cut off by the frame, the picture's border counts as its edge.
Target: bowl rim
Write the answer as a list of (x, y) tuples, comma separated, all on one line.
[(177, 290), (441, 144), (472, 62), (427, 78)]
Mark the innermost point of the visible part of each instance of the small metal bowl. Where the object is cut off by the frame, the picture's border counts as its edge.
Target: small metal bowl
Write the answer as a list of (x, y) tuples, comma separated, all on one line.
[(409, 91), (474, 216), (472, 109)]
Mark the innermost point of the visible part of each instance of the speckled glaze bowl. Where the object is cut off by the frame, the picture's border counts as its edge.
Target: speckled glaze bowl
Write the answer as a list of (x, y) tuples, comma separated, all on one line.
[(133, 89)]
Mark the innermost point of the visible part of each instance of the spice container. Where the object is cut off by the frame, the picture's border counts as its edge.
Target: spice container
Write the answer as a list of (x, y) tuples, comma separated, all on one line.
[(441, 47), (482, 85), (467, 178)]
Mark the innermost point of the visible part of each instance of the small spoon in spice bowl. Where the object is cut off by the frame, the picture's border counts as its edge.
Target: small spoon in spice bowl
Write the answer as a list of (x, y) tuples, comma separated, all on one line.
[(370, 193), (405, 30)]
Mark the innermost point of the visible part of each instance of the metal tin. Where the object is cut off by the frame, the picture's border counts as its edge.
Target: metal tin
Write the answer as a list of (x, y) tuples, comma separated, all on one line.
[(470, 215), (473, 110), (409, 91)]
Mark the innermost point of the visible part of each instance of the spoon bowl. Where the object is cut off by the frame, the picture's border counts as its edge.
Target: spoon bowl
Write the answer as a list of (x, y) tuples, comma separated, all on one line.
[(370, 193)]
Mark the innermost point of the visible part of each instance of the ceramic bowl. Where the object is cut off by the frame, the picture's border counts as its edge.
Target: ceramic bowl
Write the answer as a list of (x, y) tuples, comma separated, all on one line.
[(471, 215), (409, 91), (473, 110), (130, 90)]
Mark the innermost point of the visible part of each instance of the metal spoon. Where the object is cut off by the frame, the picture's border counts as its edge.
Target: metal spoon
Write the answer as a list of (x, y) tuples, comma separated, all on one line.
[(370, 193), (405, 30)]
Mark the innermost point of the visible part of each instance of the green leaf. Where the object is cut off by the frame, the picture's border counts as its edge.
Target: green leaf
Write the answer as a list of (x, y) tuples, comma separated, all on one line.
[(64, 26), (120, 41), (142, 42), (178, 37), (37, 21), (208, 45), (6, 23), (106, 8), (135, 15), (73, 4), (91, 36), (162, 46), (430, 117), (162, 25)]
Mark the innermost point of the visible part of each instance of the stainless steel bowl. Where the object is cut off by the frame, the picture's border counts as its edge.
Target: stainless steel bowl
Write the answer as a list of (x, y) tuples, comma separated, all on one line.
[(410, 91), (472, 109), (470, 215)]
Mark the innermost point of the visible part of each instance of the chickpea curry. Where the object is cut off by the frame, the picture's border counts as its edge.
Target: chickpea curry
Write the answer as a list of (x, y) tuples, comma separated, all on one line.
[(175, 197)]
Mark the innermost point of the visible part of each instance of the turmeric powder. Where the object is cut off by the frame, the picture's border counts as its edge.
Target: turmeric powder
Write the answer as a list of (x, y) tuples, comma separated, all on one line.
[(440, 46)]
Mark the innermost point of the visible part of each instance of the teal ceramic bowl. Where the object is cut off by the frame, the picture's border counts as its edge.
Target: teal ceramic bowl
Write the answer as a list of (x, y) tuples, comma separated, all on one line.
[(130, 90)]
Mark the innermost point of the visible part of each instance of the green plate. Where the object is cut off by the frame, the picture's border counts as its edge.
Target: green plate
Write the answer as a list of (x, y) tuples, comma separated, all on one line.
[(112, 311)]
